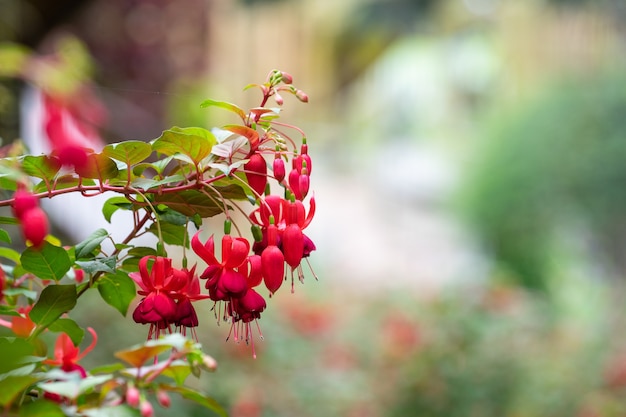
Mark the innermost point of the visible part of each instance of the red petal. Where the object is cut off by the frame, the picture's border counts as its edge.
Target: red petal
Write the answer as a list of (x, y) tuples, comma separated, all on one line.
[(205, 251)]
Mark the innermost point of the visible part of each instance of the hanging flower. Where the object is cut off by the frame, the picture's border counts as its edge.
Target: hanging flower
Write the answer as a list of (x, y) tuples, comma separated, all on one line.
[(66, 355)]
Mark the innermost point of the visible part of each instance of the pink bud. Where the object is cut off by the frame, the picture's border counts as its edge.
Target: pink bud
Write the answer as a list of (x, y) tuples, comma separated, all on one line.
[(256, 173), (303, 185), (294, 183), (302, 96), (146, 409), (35, 226), (79, 275), (22, 202), (279, 168), (163, 398), (279, 99), (132, 396), (286, 77)]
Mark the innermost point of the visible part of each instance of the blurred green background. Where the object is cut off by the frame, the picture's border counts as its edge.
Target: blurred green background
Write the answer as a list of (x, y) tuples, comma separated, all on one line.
[(469, 176)]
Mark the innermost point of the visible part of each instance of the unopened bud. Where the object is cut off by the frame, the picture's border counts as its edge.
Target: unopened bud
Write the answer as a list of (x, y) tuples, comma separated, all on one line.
[(163, 398), (257, 233), (209, 362), (227, 226), (286, 77), (35, 226), (132, 396), (279, 99), (302, 96), (279, 168), (23, 201), (146, 409)]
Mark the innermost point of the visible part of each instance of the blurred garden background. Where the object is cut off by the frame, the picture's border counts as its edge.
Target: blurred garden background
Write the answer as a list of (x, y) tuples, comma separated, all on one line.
[(470, 179)]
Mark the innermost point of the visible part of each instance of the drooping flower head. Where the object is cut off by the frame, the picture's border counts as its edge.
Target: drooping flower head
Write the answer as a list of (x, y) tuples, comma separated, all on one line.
[(66, 355)]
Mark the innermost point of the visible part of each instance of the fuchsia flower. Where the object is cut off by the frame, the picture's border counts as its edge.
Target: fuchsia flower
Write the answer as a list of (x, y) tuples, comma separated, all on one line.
[(232, 280), (66, 355), (168, 293)]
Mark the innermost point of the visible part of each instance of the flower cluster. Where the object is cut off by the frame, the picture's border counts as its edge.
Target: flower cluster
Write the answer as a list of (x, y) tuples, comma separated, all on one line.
[(277, 222)]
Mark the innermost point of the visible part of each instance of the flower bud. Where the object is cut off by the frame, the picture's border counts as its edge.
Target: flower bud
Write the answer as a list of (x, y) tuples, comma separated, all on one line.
[(279, 99), (293, 245), (286, 77), (294, 183), (279, 168), (146, 409), (23, 201), (256, 173), (273, 264), (132, 396), (35, 226), (302, 96), (163, 398)]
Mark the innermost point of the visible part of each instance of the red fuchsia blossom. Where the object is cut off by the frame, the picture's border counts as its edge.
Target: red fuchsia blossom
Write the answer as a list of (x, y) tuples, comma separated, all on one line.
[(224, 281), (272, 261), (71, 139), (21, 325), (66, 355), (168, 293)]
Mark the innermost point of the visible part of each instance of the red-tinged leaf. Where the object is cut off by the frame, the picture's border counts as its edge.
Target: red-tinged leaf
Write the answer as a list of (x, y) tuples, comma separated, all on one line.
[(193, 142), (249, 133), (137, 355), (224, 105), (98, 166), (130, 152)]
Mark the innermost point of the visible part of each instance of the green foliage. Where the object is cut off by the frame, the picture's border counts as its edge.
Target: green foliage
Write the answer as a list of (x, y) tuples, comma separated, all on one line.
[(553, 164)]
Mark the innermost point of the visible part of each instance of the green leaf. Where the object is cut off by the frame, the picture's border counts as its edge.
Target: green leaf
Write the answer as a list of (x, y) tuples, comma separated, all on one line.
[(112, 411), (4, 236), (12, 292), (86, 247), (189, 203), (117, 290), (172, 216), (48, 262), (14, 352), (98, 166), (70, 328), (41, 408), (198, 398), (41, 166), (172, 234), (73, 387), (147, 183), (130, 152), (231, 192), (98, 265), (13, 386), (10, 254), (224, 105), (53, 302), (114, 204), (178, 371), (8, 220), (196, 143), (107, 369), (141, 251)]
